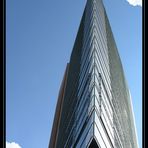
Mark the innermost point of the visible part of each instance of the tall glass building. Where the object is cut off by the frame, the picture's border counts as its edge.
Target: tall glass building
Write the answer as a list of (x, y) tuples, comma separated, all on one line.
[(94, 108)]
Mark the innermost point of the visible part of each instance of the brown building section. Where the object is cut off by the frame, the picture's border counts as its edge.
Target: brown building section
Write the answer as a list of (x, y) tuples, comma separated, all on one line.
[(57, 117)]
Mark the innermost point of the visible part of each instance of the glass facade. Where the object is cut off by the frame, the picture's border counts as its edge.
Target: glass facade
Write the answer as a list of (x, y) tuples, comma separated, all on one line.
[(96, 107)]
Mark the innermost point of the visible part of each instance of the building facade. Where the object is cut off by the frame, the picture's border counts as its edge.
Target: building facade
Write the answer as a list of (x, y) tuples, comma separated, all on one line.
[(94, 106)]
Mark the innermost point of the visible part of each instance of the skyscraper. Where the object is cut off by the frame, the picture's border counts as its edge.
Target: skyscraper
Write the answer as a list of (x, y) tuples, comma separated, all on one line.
[(94, 106)]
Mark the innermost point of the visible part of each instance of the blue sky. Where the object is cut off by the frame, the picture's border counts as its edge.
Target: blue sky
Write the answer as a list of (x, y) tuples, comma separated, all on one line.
[(39, 38)]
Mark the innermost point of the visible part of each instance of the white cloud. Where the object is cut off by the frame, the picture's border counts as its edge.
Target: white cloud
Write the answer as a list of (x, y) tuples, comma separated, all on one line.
[(12, 145), (135, 2)]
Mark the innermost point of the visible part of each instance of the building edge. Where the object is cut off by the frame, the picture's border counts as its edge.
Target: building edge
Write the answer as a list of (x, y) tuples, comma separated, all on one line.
[(57, 115)]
